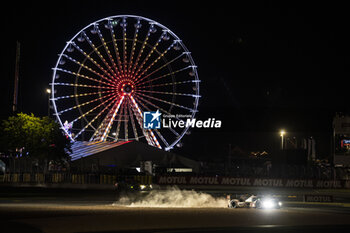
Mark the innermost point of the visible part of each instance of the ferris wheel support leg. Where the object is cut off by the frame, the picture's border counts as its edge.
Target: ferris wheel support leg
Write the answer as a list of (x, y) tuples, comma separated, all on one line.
[(104, 128), (150, 137), (132, 120), (157, 107)]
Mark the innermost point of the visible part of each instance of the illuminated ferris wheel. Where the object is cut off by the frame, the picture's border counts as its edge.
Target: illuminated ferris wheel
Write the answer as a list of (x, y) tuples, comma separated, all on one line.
[(114, 70)]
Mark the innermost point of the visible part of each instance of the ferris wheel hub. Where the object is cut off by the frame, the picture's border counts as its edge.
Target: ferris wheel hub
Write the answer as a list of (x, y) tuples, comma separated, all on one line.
[(126, 87)]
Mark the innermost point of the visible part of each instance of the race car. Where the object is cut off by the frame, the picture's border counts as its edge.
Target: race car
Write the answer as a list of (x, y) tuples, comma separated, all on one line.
[(253, 201), (132, 186)]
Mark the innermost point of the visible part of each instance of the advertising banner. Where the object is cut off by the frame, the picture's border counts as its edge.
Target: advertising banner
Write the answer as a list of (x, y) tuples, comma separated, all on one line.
[(257, 182), (318, 198)]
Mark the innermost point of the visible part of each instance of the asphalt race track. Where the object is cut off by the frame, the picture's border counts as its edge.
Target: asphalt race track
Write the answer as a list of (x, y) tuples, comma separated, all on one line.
[(58, 214), (104, 218)]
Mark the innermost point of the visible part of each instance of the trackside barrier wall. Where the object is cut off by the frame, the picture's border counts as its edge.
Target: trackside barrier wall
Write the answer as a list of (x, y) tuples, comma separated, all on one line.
[(144, 179), (67, 178), (255, 182)]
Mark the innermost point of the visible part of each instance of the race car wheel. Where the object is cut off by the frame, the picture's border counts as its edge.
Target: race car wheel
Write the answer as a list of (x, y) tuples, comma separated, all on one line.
[(233, 204), (258, 204)]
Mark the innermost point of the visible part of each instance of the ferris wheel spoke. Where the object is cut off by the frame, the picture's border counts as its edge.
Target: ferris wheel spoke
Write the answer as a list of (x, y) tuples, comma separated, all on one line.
[(141, 50), (133, 47), (110, 121), (93, 61), (85, 103), (161, 67), (170, 93), (150, 53), (117, 131), (98, 53), (169, 103), (157, 107), (165, 75), (80, 95), (85, 77), (174, 132), (126, 123), (116, 50), (156, 60), (83, 85), (94, 119), (107, 50), (168, 84), (124, 45), (162, 110), (161, 137), (104, 128), (170, 128), (91, 110), (149, 135), (140, 99), (88, 68)]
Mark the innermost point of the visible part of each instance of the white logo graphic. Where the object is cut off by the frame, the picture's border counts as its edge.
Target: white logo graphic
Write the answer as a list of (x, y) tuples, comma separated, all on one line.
[(151, 120)]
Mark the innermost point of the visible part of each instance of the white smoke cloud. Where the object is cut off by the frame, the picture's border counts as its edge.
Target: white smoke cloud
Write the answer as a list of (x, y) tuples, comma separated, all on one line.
[(174, 197)]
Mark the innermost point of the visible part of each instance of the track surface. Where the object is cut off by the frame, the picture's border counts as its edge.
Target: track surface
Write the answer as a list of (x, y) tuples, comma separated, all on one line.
[(65, 212)]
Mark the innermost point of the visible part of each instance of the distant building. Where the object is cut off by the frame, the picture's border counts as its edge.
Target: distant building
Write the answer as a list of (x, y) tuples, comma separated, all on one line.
[(341, 140), (141, 157), (302, 144)]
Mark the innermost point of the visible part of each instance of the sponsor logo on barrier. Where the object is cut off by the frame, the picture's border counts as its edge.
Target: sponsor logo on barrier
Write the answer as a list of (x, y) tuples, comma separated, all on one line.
[(258, 182), (318, 198)]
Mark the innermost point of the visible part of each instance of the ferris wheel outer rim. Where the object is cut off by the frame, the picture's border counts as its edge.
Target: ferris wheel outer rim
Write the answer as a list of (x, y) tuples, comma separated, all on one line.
[(176, 141)]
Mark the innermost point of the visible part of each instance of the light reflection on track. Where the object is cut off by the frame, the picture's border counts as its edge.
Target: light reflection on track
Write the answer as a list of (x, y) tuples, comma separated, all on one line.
[(72, 217)]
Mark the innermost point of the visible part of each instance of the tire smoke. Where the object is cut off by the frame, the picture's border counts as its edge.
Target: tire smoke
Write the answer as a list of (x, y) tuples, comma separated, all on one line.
[(174, 197)]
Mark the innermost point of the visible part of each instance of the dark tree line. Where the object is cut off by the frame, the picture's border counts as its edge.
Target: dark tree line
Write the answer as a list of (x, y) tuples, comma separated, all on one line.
[(39, 139)]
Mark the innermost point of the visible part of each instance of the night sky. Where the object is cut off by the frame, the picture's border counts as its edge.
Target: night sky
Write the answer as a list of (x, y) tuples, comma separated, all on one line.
[(263, 66)]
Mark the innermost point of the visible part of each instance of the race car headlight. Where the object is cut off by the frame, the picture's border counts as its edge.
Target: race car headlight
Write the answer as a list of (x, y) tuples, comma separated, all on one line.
[(142, 186), (268, 204), (280, 203)]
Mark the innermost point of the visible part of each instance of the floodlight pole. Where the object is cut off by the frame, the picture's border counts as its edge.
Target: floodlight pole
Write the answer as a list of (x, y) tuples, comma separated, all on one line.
[(15, 89)]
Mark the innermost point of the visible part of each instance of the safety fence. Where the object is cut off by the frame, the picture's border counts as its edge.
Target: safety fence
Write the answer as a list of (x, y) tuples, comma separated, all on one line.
[(68, 178)]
